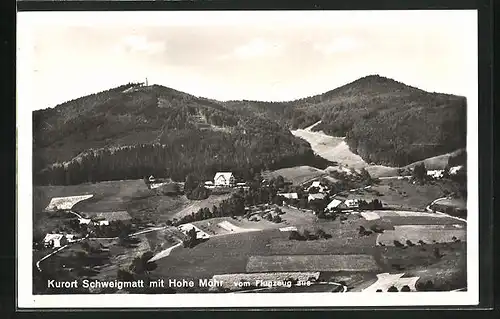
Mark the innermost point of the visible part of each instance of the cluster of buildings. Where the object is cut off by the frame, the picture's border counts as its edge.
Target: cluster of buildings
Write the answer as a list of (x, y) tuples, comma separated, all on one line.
[(439, 173), (318, 191), (56, 240)]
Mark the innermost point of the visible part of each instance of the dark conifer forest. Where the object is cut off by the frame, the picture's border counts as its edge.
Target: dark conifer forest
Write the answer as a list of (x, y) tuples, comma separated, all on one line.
[(134, 131)]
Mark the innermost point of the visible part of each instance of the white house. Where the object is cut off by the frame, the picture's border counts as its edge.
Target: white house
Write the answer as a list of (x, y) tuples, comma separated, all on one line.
[(55, 240), (224, 179), (102, 222), (317, 196), (84, 221), (289, 195)]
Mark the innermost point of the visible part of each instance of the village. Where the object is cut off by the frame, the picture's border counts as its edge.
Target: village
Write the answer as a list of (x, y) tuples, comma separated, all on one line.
[(311, 211)]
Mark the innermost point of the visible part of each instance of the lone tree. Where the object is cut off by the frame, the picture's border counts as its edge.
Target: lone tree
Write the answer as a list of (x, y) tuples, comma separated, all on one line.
[(190, 184), (419, 172), (437, 253)]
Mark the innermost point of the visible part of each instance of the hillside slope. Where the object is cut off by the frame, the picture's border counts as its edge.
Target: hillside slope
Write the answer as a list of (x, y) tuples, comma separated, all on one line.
[(383, 121), (133, 130)]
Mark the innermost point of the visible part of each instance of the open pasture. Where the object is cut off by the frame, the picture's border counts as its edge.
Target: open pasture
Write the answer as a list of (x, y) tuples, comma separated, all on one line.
[(218, 255), (311, 263), (446, 271), (414, 219), (224, 225), (420, 257), (350, 243), (426, 233), (452, 202), (111, 193), (294, 216), (403, 194), (297, 175), (65, 203)]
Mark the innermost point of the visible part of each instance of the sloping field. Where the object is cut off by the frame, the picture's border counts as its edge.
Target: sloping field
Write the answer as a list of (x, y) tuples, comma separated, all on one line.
[(195, 205), (436, 162), (426, 233), (63, 203), (297, 175), (402, 194), (218, 255), (294, 217), (311, 263), (373, 215), (213, 226), (353, 244), (107, 196), (417, 220), (132, 196), (452, 202)]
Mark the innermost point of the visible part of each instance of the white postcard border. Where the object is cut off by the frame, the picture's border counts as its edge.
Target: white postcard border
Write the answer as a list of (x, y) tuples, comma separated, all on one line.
[(26, 299)]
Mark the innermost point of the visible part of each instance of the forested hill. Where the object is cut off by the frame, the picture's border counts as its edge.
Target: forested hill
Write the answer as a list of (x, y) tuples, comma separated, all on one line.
[(384, 121), (134, 130)]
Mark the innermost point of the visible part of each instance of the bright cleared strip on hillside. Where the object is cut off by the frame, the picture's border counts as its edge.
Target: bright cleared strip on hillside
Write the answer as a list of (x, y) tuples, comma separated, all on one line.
[(61, 203)]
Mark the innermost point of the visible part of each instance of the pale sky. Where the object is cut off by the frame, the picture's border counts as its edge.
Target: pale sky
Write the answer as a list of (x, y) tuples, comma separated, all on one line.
[(270, 56)]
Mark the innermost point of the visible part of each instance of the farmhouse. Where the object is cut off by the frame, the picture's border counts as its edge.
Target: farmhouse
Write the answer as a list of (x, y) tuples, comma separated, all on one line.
[(317, 184), (317, 196), (335, 203), (289, 195), (352, 203), (84, 221), (58, 240), (104, 218), (224, 179), (435, 173)]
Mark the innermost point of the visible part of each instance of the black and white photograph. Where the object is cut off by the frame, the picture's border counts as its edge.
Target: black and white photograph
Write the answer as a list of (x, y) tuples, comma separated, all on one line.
[(308, 158)]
